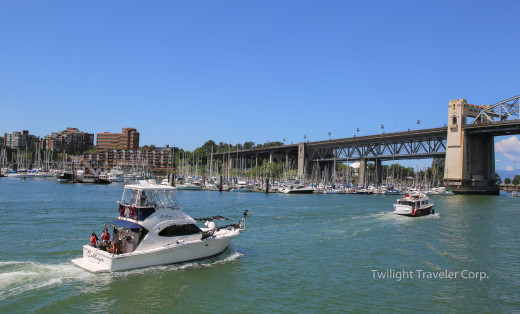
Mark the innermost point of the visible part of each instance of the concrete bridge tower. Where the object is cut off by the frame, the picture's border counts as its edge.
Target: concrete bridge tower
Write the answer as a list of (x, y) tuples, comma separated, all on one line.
[(470, 158)]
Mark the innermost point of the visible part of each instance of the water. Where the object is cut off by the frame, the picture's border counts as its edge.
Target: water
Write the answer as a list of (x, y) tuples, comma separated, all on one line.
[(301, 253)]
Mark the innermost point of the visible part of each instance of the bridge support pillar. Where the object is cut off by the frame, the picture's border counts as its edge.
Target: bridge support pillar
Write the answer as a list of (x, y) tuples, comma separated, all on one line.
[(304, 165), (379, 172), (470, 159), (362, 172)]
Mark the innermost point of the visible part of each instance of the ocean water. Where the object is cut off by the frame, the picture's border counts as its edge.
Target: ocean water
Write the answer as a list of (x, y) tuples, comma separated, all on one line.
[(300, 253)]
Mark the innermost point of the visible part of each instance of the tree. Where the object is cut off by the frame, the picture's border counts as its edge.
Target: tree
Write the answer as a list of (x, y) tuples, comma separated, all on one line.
[(249, 145), (516, 179), (438, 168), (507, 181), (498, 179)]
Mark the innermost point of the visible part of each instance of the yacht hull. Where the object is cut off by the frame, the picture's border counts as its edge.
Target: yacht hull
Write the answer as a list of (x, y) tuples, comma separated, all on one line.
[(95, 260)]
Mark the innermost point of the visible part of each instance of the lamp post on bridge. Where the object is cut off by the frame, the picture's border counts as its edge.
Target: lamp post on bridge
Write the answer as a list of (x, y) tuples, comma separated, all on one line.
[(418, 123), (383, 128), (329, 135)]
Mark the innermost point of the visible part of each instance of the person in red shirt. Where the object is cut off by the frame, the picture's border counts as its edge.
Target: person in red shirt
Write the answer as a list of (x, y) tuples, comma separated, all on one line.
[(105, 237), (93, 240)]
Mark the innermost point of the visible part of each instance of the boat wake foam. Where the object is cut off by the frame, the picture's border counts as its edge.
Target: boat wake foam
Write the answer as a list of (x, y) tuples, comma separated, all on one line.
[(20, 277)]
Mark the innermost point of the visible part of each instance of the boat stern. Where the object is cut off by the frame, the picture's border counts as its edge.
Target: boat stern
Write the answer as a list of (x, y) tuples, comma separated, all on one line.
[(94, 260), (403, 209)]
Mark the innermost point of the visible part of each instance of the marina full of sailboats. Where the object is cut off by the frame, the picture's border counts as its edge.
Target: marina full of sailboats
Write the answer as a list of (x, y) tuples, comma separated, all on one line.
[(196, 171)]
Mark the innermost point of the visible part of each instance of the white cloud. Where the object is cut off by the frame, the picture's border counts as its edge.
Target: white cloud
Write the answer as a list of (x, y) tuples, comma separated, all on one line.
[(510, 168), (510, 147)]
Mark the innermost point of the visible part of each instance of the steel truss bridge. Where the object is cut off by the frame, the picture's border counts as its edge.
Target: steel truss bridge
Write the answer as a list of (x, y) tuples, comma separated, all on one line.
[(426, 143), (502, 118)]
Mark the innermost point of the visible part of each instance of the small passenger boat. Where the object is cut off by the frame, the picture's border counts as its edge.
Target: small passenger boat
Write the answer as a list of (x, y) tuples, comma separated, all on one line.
[(416, 204), (153, 230)]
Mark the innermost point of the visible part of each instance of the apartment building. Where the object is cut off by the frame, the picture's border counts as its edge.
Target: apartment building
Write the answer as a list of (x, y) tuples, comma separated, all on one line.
[(21, 140), (70, 141), (127, 140)]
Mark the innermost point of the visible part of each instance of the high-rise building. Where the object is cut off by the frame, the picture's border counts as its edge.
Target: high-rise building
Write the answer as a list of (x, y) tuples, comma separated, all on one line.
[(20, 140), (70, 141), (128, 140)]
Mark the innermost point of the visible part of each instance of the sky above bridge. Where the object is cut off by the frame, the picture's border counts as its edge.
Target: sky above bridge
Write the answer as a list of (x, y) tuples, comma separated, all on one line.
[(184, 72)]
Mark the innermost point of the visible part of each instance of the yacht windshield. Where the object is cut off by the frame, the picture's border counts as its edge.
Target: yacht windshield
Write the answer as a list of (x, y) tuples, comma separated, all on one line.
[(164, 198), (149, 198), (130, 197)]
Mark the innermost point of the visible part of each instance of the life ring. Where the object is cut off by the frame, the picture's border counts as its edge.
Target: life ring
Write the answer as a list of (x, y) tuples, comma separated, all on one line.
[(133, 212)]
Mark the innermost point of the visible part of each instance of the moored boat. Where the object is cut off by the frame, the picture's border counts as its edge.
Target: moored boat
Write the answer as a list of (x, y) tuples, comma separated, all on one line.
[(241, 186), (298, 189), (191, 186), (65, 177), (153, 230), (416, 204)]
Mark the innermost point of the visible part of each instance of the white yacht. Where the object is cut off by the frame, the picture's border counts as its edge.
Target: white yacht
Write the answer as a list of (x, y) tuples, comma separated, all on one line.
[(116, 175), (192, 186), (153, 230), (241, 186), (331, 190), (297, 188), (416, 204)]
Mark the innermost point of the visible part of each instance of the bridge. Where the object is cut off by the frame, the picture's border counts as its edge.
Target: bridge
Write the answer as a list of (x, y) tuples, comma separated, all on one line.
[(467, 145)]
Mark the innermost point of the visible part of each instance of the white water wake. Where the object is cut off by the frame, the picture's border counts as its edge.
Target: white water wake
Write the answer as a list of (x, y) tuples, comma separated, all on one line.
[(19, 277)]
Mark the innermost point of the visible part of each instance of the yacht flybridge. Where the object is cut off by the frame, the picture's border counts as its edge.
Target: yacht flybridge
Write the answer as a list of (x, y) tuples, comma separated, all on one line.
[(152, 230)]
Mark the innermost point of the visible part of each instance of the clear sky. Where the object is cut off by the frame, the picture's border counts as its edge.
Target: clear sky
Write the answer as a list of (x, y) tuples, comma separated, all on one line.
[(184, 72)]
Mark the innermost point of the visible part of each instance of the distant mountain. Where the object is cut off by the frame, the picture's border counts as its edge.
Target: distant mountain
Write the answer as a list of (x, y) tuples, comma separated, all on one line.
[(506, 174)]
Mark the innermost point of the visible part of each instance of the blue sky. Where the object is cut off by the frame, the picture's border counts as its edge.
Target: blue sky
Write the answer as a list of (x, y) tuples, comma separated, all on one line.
[(184, 72)]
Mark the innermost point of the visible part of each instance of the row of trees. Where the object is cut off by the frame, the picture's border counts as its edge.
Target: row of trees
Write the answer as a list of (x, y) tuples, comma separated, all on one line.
[(516, 180)]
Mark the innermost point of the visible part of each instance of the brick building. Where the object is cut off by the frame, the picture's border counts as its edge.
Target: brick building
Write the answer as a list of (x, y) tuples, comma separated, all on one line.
[(127, 140), (70, 141), (160, 158)]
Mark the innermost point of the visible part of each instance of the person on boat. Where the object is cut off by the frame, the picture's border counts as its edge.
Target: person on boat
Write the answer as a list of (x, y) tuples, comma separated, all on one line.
[(133, 200), (129, 248), (93, 240), (105, 238), (114, 247), (143, 198)]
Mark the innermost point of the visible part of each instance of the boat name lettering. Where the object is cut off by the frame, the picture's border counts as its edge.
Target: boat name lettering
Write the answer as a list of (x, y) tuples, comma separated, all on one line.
[(167, 216), (95, 256)]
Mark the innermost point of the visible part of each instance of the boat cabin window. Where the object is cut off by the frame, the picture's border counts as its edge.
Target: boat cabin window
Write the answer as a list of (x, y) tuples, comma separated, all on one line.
[(179, 230), (131, 197)]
